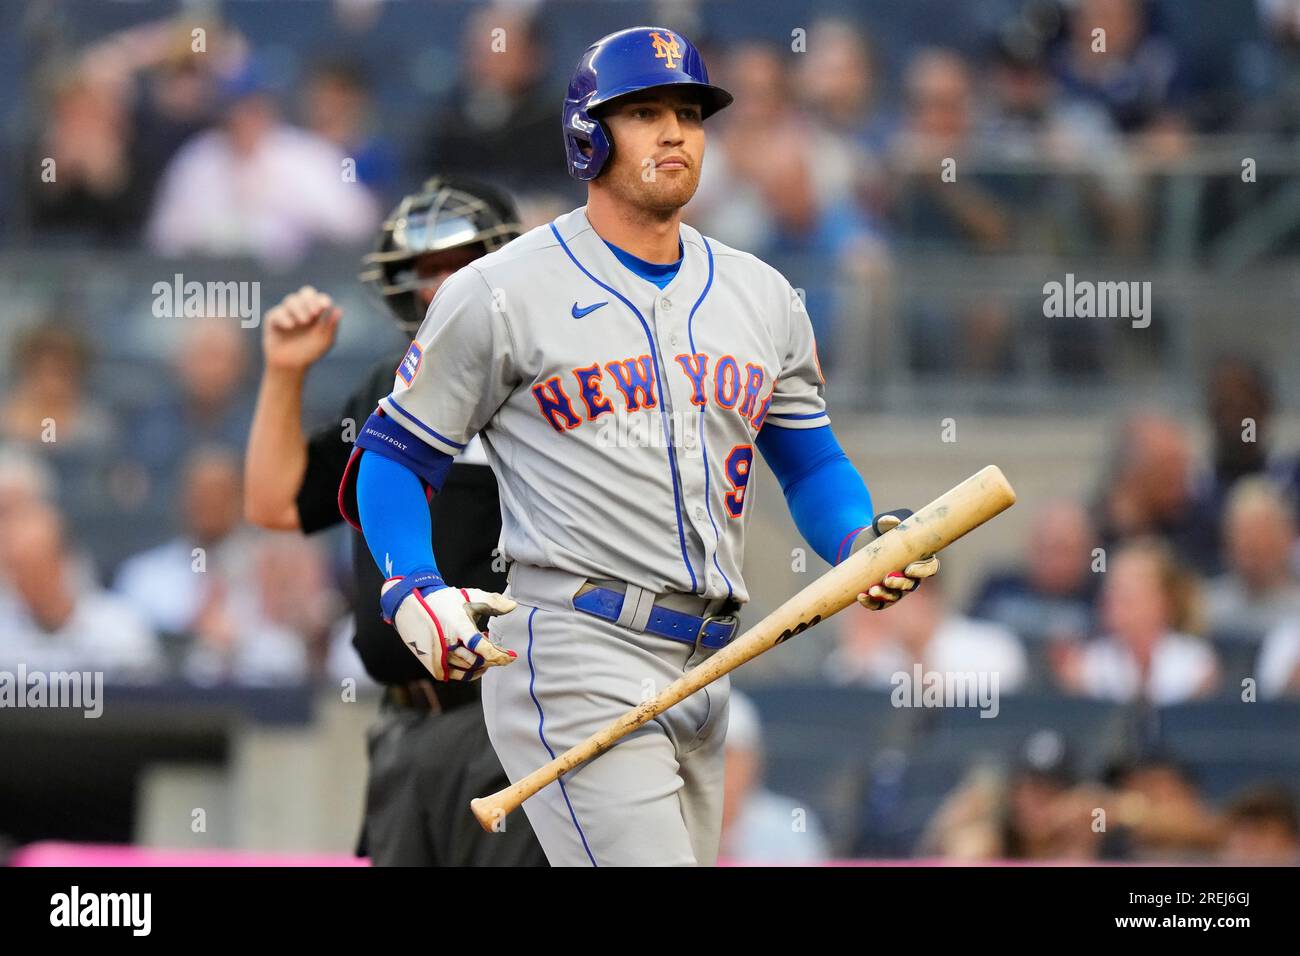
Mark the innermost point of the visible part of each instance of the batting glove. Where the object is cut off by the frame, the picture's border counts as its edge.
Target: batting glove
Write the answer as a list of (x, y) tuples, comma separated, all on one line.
[(896, 583), (446, 628)]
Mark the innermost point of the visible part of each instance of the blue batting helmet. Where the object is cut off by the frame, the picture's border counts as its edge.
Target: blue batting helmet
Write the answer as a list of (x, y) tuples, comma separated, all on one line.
[(628, 61)]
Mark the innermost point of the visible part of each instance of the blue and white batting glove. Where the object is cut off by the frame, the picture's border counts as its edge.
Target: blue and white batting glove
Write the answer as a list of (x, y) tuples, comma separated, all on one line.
[(446, 628), (897, 583)]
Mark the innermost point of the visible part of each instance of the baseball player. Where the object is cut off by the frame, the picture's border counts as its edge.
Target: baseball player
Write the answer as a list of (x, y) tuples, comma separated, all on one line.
[(429, 751), (619, 369)]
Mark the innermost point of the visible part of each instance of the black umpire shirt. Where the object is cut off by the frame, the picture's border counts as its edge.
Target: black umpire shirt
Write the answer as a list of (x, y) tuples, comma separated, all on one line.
[(466, 516)]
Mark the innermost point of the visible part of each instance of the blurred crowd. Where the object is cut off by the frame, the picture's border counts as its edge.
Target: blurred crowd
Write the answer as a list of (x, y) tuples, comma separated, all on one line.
[(1041, 805), (207, 598), (217, 151), (1033, 137), (1179, 580), (1136, 811)]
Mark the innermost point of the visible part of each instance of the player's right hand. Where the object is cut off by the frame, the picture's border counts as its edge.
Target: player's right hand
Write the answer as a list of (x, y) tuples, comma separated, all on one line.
[(446, 628), (299, 330)]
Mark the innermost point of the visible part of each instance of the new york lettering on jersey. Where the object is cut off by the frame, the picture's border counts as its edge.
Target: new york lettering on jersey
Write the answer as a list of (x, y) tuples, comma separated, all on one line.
[(638, 415)]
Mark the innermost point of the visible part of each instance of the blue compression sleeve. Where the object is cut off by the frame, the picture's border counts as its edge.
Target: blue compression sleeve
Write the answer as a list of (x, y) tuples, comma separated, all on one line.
[(394, 516), (827, 497)]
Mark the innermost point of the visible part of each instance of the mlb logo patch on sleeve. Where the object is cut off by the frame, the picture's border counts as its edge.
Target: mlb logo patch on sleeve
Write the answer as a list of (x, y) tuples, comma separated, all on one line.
[(410, 363)]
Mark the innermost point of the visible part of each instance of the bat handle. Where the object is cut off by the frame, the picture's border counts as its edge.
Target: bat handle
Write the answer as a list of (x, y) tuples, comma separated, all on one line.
[(491, 811), (486, 810)]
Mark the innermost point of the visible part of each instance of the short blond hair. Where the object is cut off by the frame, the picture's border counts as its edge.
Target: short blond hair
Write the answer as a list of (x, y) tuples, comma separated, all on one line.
[(1181, 586)]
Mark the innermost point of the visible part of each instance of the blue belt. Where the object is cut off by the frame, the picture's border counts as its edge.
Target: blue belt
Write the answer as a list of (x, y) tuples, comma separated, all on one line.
[(712, 632)]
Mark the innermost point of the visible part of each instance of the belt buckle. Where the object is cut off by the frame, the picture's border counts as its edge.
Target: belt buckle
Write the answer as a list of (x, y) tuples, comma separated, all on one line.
[(705, 622)]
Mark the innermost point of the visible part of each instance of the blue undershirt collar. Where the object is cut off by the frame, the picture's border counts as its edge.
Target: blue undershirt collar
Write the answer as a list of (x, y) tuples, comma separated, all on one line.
[(659, 274)]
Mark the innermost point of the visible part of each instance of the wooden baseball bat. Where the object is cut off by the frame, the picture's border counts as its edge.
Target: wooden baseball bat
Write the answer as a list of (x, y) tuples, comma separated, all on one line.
[(934, 527)]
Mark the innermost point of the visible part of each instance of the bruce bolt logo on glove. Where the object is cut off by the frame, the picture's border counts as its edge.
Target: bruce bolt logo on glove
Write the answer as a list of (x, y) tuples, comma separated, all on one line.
[(445, 627)]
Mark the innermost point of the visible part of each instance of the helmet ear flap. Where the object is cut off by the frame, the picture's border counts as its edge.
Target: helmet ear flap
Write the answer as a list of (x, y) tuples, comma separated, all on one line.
[(586, 144)]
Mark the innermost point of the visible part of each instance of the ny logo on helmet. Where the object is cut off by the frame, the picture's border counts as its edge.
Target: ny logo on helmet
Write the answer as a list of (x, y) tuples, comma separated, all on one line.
[(666, 49)]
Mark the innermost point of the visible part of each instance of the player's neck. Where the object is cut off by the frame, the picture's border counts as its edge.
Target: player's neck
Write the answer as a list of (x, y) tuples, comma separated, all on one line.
[(647, 235)]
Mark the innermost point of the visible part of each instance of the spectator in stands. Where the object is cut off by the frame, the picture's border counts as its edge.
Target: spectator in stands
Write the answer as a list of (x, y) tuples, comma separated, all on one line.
[(1045, 817), (836, 81), (874, 649), (202, 590), (1240, 405), (82, 183), (168, 583), (966, 826), (1262, 828), (1092, 189), (499, 121), (177, 92), (1050, 597), (1149, 613), (943, 197), (1036, 813), (1280, 110), (759, 826), (1278, 668), (339, 109), (51, 411), (779, 184), (1148, 491), (47, 407), (1259, 590), (297, 596), (24, 480), (775, 182), (57, 618), (1135, 76), (118, 115), (257, 186), (30, 481), (208, 404), (1154, 812), (938, 127)]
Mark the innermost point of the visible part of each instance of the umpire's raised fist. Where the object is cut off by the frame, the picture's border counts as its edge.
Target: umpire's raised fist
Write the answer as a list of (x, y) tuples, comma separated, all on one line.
[(300, 329)]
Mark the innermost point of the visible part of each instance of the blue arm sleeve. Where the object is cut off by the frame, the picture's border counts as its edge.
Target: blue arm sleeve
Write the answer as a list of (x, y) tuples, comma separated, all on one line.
[(827, 497), (394, 516)]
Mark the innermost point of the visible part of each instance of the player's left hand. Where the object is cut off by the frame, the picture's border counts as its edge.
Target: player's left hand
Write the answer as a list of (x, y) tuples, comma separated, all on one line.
[(445, 627), (898, 583)]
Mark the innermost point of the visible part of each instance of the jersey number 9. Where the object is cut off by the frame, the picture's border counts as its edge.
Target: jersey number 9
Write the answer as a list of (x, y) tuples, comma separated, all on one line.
[(738, 462)]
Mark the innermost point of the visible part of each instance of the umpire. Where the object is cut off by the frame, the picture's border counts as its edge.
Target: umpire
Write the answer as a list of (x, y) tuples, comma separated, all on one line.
[(429, 749)]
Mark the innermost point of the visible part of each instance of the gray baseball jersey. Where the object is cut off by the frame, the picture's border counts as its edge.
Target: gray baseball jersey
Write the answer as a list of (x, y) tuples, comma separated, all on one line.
[(619, 418)]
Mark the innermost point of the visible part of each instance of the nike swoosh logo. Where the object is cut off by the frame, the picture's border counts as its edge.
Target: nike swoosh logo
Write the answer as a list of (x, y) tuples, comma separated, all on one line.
[(579, 313)]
